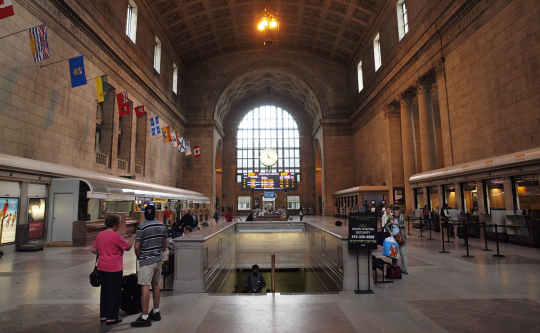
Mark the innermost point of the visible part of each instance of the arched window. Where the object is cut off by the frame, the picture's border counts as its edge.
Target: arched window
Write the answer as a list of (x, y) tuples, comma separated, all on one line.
[(267, 127)]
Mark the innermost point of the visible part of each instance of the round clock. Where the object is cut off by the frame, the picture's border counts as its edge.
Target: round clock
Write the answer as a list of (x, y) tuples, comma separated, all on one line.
[(268, 157)]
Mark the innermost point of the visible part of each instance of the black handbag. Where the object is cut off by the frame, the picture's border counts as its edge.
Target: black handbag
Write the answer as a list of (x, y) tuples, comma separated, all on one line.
[(94, 276)]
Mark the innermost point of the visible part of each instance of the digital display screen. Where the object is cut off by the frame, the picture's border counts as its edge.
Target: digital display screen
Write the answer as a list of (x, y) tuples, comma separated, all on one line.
[(271, 181)]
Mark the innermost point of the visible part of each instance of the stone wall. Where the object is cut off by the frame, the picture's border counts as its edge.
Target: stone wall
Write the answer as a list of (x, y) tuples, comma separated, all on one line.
[(43, 118)]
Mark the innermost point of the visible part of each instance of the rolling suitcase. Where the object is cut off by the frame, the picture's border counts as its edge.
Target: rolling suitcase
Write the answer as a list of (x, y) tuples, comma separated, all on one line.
[(393, 272), (131, 294)]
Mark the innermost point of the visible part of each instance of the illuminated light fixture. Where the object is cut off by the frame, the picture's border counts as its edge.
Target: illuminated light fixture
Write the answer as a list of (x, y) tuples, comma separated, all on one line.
[(268, 23)]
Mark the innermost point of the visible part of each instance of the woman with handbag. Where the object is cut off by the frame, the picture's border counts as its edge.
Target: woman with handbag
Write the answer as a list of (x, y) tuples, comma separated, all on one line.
[(395, 225), (110, 246)]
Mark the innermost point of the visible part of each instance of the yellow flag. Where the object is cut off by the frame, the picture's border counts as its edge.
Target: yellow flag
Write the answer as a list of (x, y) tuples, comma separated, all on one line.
[(99, 89)]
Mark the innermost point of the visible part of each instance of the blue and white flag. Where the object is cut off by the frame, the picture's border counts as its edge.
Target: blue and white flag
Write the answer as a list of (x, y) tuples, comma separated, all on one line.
[(39, 42), (187, 148), (181, 147), (154, 125), (76, 70)]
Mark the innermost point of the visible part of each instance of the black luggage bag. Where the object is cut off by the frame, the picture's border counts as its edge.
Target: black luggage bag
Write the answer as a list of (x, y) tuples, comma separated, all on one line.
[(131, 294)]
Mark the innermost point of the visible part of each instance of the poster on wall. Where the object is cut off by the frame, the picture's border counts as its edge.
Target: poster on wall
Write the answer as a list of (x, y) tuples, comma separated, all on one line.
[(36, 217), (8, 218)]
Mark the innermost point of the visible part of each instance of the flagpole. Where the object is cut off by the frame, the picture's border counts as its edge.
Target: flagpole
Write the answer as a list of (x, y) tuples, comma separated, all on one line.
[(94, 78), (18, 32), (52, 63)]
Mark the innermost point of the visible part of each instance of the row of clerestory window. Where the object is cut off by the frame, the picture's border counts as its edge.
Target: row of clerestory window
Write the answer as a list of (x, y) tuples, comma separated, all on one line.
[(403, 29)]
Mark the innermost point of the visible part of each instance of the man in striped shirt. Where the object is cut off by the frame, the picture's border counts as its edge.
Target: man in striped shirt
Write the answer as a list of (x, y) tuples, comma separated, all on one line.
[(150, 243)]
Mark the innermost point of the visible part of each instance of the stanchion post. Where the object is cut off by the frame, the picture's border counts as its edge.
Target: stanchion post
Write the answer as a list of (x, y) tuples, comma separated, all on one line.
[(465, 225), (442, 238), (430, 227), (408, 226), (498, 255), (485, 237)]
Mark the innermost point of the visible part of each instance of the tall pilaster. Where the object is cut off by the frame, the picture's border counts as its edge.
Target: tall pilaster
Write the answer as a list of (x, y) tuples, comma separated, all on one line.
[(427, 124), (408, 145), (395, 167)]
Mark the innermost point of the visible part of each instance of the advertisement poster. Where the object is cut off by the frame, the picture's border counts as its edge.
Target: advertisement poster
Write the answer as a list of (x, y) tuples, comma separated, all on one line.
[(8, 218), (36, 217)]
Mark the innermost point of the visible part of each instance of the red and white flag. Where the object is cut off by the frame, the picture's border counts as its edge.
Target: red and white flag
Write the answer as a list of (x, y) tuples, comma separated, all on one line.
[(139, 111), (6, 9), (123, 103), (174, 138), (196, 151)]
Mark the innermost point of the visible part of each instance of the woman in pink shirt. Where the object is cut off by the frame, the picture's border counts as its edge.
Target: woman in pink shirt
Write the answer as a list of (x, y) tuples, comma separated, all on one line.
[(110, 247)]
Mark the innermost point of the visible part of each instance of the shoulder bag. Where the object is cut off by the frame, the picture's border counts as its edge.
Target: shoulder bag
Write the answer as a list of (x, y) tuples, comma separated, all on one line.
[(94, 276)]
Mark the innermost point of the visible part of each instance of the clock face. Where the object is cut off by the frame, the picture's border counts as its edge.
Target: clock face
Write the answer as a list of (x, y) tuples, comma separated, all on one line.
[(268, 157)]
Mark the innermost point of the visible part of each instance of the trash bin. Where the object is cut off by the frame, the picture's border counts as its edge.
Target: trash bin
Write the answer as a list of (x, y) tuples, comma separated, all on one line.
[(23, 233)]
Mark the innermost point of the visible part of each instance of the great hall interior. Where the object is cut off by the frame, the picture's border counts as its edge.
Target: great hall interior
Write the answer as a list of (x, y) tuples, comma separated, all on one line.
[(306, 110)]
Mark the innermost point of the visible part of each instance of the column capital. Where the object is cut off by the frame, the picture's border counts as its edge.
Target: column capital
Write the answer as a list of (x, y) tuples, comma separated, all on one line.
[(424, 84), (406, 98), (439, 68), (391, 111)]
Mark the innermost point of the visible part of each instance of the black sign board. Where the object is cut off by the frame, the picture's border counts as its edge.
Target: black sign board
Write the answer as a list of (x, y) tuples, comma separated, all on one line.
[(362, 231)]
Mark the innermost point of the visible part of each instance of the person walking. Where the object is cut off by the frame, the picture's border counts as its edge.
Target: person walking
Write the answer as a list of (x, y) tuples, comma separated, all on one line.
[(301, 213), (454, 218), (398, 220), (167, 216), (216, 215), (110, 246), (425, 214), (150, 244)]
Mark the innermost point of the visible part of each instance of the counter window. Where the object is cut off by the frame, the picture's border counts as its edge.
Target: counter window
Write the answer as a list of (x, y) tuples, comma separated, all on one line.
[(449, 195), (433, 197), (494, 194), (527, 194), (470, 199), (419, 198)]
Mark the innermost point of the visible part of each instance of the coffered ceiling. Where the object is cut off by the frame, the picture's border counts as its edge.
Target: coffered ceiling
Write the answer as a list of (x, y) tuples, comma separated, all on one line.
[(205, 29)]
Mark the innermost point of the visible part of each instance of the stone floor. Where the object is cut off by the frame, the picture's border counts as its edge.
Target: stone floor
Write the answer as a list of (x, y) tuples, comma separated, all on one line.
[(48, 291)]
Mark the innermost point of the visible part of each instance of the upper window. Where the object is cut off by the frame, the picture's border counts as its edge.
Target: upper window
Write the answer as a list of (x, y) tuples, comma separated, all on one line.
[(377, 52), (157, 54), (403, 21), (267, 127), (360, 77), (175, 78), (131, 22)]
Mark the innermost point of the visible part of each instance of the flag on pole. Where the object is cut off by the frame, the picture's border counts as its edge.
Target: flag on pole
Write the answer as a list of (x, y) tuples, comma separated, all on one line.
[(76, 70), (166, 134), (187, 148), (181, 147), (154, 126), (139, 111), (102, 87), (39, 43), (196, 151), (6, 9), (123, 103), (174, 138)]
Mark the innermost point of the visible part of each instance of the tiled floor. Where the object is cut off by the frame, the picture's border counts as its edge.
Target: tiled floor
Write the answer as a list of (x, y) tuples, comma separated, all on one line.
[(48, 291)]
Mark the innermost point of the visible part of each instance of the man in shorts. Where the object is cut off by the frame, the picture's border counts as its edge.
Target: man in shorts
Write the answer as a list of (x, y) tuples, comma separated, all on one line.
[(150, 243)]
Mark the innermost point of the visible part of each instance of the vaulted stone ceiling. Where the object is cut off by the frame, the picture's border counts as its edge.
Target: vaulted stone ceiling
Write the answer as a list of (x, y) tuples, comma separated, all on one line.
[(205, 29)]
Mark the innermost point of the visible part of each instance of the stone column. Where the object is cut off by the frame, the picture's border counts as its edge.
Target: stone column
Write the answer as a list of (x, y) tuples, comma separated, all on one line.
[(408, 146), (395, 166), (428, 137)]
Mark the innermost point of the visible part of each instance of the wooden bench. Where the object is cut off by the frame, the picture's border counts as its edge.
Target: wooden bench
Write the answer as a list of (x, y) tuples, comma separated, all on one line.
[(378, 264)]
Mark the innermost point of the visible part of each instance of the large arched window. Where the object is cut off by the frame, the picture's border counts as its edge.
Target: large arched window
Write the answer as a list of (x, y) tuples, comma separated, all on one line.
[(267, 127)]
